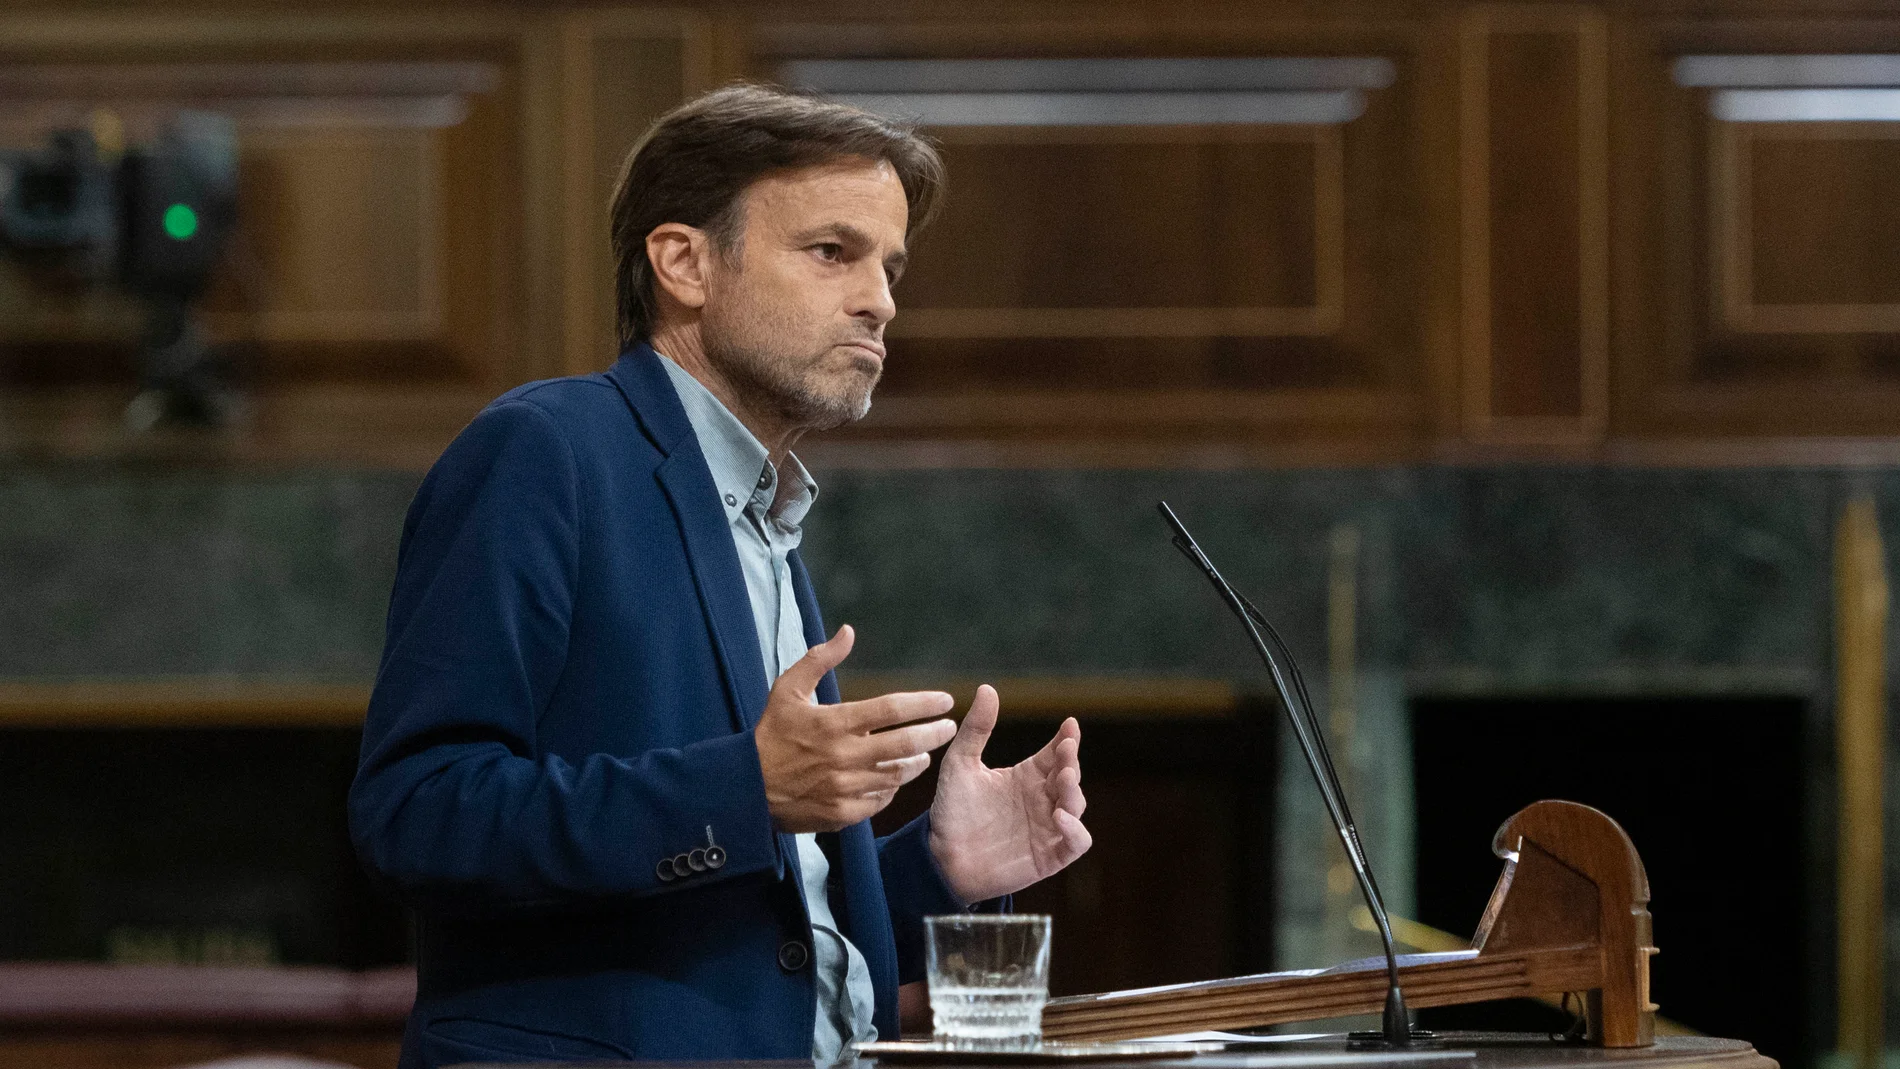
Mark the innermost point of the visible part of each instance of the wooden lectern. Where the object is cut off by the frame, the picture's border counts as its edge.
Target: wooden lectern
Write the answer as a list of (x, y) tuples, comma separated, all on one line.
[(1569, 914)]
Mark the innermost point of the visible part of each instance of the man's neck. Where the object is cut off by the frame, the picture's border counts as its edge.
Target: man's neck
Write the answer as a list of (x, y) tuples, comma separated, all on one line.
[(683, 346)]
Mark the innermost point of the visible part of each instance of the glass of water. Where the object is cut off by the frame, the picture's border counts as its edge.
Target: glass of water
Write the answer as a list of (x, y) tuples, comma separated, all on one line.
[(989, 976)]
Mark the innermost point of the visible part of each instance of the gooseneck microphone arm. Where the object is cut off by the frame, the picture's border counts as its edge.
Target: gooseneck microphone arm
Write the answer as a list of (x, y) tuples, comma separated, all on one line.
[(1319, 737), (1292, 690)]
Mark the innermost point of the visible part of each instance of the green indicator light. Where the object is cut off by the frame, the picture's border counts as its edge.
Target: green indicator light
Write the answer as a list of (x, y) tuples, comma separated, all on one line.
[(181, 222)]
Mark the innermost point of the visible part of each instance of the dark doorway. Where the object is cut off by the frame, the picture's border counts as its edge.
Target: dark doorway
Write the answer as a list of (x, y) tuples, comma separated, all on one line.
[(1711, 790), (220, 846)]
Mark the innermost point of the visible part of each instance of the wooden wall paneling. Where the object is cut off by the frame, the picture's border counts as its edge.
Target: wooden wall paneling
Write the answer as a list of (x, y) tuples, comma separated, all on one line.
[(1439, 166), (543, 219), (1154, 294), (1534, 222), (1191, 268), (620, 71), (1758, 312), (1802, 234)]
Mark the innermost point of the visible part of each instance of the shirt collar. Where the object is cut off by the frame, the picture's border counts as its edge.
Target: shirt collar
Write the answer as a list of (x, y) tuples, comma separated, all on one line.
[(741, 467)]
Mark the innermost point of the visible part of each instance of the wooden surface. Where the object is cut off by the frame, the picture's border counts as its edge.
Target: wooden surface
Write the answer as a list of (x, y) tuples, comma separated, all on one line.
[(183, 703), (178, 1049), (75, 1016), (1569, 913), (1488, 1051)]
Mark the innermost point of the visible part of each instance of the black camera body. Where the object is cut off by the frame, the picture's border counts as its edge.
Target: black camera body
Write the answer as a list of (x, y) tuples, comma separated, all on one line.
[(155, 221)]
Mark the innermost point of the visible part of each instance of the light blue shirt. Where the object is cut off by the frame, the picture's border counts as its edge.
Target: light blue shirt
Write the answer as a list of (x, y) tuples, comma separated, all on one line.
[(764, 508)]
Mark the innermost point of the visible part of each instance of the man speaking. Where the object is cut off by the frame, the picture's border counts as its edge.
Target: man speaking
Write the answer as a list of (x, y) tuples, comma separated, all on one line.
[(605, 759)]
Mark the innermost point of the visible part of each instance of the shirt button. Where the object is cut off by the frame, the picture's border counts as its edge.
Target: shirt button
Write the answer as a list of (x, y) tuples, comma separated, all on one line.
[(793, 956), (765, 478), (731, 500)]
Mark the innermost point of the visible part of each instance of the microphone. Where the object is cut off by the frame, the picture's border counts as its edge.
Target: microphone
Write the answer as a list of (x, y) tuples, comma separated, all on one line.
[(1397, 1030)]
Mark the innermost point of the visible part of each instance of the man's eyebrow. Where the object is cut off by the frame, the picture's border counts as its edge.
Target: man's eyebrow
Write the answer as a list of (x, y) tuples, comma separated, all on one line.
[(843, 231)]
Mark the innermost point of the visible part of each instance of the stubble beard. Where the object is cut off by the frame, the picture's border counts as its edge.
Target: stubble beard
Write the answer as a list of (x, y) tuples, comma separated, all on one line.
[(793, 387)]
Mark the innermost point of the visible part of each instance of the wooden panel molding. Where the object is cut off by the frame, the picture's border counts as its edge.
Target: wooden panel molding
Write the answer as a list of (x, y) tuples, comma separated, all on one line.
[(620, 70), (1804, 237), (1757, 312), (200, 703), (1111, 256), (1534, 219), (183, 703)]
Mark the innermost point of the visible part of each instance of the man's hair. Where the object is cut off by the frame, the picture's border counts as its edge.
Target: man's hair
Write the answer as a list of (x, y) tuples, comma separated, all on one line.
[(696, 162)]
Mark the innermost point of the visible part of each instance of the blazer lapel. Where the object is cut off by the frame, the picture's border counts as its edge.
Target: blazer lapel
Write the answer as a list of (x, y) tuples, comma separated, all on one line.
[(688, 485)]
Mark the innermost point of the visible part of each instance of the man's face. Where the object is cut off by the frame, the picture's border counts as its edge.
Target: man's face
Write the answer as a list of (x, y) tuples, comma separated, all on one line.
[(794, 317)]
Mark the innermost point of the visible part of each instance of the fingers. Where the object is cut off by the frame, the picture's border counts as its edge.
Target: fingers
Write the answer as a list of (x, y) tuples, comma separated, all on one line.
[(911, 768), (1049, 758), (868, 782), (891, 709), (977, 725), (804, 674), (1065, 791), (904, 742), (1076, 839)]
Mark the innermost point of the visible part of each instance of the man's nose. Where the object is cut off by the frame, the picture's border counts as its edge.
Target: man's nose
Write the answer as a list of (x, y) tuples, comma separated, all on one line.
[(871, 299)]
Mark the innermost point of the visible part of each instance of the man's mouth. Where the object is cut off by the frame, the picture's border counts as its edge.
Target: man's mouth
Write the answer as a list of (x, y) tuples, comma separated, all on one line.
[(876, 349)]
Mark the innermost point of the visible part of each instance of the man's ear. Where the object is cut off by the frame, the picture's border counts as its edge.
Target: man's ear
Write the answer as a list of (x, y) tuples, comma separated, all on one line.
[(681, 256)]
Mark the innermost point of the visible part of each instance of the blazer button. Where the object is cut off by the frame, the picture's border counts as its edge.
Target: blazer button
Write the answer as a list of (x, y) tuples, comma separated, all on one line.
[(793, 956), (664, 870)]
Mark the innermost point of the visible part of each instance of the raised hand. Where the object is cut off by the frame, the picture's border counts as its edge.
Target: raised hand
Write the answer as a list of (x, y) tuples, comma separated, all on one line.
[(824, 769), (994, 831)]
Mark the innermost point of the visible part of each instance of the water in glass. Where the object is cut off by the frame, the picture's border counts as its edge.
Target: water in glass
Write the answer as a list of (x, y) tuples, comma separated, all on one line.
[(989, 978)]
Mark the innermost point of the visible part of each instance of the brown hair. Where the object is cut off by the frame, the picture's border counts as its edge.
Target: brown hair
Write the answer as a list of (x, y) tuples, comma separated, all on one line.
[(696, 162)]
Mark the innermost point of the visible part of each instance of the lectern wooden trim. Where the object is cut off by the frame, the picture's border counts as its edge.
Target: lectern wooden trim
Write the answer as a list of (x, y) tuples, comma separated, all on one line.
[(1569, 914)]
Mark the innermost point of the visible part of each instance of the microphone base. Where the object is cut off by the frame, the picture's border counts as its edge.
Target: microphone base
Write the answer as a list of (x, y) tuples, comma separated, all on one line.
[(1419, 1036)]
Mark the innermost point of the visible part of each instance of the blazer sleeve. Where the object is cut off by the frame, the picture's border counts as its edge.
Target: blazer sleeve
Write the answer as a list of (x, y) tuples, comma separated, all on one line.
[(453, 803), (914, 888)]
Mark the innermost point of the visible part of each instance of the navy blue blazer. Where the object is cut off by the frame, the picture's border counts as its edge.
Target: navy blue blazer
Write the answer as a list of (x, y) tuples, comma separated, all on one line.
[(566, 698)]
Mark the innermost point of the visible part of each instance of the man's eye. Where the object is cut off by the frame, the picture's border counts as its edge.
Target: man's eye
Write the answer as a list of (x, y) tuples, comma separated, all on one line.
[(829, 250)]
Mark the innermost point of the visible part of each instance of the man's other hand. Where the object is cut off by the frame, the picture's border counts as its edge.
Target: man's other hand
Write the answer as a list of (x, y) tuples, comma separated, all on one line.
[(995, 831), (825, 769)]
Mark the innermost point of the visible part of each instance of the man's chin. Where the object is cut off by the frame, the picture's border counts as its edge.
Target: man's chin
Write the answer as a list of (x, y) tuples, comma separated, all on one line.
[(832, 415), (846, 400), (850, 400)]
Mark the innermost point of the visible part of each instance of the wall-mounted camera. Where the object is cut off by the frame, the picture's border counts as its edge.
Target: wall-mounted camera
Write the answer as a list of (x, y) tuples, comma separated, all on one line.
[(154, 220)]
